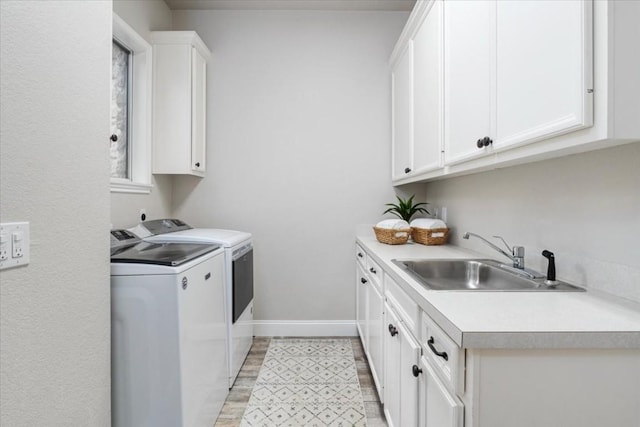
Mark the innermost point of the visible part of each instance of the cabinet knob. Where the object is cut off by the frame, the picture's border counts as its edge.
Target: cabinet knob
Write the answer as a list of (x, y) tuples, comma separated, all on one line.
[(486, 141), (198, 164), (407, 170), (373, 270), (393, 331), (416, 371), (480, 143), (113, 137), (363, 280), (360, 254)]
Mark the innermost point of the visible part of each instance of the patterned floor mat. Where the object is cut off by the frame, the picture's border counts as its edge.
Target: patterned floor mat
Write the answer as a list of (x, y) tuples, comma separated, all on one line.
[(306, 382)]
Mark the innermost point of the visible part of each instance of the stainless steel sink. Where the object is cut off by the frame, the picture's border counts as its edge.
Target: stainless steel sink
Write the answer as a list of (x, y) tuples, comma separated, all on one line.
[(475, 274)]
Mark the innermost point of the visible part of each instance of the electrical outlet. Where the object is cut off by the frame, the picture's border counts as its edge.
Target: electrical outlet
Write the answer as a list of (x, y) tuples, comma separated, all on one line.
[(14, 244), (17, 242), (4, 247)]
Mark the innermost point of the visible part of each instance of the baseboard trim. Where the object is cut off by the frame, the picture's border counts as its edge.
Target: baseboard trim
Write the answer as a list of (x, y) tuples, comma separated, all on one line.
[(305, 328)]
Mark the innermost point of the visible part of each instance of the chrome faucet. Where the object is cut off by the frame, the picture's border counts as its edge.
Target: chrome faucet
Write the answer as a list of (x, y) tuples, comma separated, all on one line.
[(517, 252)]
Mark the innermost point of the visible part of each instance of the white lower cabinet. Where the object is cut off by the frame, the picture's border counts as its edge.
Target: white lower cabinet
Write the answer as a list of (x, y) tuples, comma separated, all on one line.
[(392, 357), (361, 304), (369, 318), (374, 340), (402, 353), (438, 407), (424, 378)]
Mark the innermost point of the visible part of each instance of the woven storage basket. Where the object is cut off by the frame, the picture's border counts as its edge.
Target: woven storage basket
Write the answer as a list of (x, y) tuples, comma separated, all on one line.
[(392, 236), (433, 236)]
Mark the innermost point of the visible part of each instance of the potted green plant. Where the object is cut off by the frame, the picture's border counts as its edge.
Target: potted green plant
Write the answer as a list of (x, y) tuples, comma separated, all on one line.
[(406, 209)]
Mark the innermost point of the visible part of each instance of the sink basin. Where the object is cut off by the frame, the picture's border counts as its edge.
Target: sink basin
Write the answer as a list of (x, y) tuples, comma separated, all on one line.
[(476, 275)]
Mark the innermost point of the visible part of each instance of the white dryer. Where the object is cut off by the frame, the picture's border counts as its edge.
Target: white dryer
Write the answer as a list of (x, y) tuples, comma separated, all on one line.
[(238, 248), (168, 333)]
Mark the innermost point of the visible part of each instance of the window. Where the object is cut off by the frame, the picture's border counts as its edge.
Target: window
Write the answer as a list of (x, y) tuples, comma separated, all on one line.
[(120, 109), (130, 134)]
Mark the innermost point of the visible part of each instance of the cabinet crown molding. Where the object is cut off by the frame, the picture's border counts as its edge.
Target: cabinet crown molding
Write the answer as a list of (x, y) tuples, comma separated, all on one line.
[(181, 37)]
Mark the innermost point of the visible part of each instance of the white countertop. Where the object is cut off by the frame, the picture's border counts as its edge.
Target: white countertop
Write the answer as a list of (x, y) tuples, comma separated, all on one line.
[(489, 319)]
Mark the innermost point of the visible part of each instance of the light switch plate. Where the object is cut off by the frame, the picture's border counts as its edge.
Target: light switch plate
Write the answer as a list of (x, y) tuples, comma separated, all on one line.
[(14, 244)]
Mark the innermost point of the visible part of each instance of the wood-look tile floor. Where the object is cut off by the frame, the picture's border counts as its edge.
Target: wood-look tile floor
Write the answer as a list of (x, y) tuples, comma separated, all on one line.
[(236, 402)]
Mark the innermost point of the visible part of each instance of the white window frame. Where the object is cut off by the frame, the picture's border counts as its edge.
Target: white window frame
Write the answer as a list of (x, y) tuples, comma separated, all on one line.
[(139, 180)]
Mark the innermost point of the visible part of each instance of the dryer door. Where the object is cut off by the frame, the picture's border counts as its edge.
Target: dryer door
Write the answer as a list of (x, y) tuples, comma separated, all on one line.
[(242, 280)]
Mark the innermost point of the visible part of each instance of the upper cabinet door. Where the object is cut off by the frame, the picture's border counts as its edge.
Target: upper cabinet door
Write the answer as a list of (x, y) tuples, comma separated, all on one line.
[(427, 86), (402, 110), (544, 69), (198, 111), (179, 103), (469, 83)]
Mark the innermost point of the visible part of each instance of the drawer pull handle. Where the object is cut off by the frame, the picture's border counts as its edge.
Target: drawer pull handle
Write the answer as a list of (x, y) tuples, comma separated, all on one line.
[(442, 354), (416, 371), (393, 331), (373, 270), (363, 280), (360, 254)]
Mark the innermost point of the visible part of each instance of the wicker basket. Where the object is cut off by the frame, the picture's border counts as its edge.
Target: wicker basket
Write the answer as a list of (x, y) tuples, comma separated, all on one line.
[(433, 236), (392, 236)]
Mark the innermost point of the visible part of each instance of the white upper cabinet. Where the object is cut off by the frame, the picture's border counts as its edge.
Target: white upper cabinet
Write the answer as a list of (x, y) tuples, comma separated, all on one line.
[(402, 113), (503, 82), (469, 87), (517, 71), (544, 69), (179, 103), (417, 93), (427, 87)]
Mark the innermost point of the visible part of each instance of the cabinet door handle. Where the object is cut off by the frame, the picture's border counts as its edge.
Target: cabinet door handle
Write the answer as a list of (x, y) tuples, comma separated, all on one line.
[(442, 354), (487, 141), (480, 143), (114, 137), (373, 270), (198, 164), (360, 254), (393, 331), (363, 280), (416, 371), (407, 170)]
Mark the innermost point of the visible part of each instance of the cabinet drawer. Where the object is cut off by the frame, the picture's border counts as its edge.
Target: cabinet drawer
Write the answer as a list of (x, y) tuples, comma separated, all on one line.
[(445, 356), (375, 273), (361, 256), (407, 308)]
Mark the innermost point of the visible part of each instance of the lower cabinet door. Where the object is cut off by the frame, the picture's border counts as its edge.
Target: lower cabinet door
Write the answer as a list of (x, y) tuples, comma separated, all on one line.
[(392, 355), (401, 386), (375, 305), (362, 283), (438, 407), (409, 378)]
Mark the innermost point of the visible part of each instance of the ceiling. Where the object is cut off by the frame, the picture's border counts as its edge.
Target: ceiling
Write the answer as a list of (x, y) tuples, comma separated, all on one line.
[(381, 5)]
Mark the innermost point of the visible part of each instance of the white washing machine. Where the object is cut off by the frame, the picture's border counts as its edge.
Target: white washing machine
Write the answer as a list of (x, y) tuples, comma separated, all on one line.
[(168, 333), (238, 248)]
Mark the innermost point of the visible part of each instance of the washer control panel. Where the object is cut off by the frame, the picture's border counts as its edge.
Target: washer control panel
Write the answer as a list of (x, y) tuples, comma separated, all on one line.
[(122, 238)]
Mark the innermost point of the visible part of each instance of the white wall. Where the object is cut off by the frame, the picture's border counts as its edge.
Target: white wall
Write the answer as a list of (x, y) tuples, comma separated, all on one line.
[(54, 173), (585, 208), (298, 147), (143, 16)]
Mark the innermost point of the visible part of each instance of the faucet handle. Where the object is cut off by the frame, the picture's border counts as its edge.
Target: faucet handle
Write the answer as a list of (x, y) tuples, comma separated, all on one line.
[(506, 244)]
